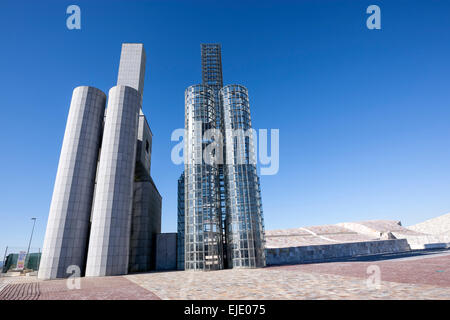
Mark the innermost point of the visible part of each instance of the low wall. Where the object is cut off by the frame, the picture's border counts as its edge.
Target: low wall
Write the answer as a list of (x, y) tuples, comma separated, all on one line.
[(426, 241), (316, 253)]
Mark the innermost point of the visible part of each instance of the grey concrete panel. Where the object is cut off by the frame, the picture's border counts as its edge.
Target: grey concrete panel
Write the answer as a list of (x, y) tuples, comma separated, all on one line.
[(65, 240), (132, 66), (143, 149), (317, 253), (145, 225), (166, 251)]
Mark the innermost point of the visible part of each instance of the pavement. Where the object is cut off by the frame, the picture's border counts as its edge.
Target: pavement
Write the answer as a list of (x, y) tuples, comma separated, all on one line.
[(420, 267), (415, 275)]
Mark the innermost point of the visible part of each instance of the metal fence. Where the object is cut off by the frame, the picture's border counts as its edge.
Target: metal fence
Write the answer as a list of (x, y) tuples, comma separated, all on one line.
[(11, 256)]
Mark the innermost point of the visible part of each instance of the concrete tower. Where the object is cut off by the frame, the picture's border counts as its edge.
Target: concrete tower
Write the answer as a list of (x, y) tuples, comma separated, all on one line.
[(104, 193), (109, 241), (66, 236), (132, 67), (111, 213)]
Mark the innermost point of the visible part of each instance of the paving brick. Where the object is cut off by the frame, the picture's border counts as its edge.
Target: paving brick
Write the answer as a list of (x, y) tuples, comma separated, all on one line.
[(425, 276)]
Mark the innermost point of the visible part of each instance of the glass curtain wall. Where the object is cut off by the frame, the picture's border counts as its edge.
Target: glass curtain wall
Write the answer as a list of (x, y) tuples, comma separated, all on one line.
[(180, 224), (212, 76), (244, 223), (203, 236)]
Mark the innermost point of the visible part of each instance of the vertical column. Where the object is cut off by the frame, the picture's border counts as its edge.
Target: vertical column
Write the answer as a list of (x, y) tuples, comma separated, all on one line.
[(212, 73), (212, 76), (203, 237), (245, 231), (132, 67), (180, 224), (111, 214), (66, 236)]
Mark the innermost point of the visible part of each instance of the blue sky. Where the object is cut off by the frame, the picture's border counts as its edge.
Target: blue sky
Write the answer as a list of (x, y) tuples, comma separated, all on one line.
[(363, 114)]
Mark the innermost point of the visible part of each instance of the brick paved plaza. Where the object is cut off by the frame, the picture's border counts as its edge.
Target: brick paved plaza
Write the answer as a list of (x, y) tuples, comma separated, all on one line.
[(423, 276)]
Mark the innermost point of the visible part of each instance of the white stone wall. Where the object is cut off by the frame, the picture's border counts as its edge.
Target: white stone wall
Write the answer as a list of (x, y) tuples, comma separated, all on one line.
[(111, 215), (426, 241), (70, 209)]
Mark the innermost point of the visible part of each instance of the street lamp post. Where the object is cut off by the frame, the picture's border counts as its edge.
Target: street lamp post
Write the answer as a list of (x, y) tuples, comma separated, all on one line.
[(4, 258), (31, 237)]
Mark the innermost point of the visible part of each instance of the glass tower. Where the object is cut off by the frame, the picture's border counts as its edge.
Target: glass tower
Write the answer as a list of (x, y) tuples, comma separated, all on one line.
[(203, 236), (223, 224), (244, 222)]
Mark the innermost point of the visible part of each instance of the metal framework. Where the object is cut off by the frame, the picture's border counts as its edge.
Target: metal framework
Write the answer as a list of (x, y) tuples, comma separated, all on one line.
[(212, 76), (212, 65)]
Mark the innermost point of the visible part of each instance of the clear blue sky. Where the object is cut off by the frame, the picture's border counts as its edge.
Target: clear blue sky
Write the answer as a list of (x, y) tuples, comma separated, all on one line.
[(363, 114)]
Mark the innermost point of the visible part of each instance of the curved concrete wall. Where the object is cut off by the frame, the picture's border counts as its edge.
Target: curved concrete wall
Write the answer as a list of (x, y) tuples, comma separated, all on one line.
[(70, 209), (111, 214)]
